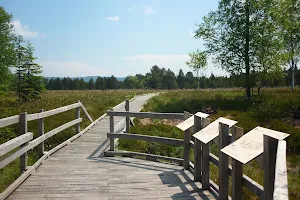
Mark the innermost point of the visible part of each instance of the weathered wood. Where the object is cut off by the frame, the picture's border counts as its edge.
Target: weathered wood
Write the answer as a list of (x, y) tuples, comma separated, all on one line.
[(35, 142), (270, 151), (111, 129), (127, 118), (210, 132), (197, 150), (14, 143), (147, 156), (22, 130), (77, 117), (237, 169), (22, 178), (49, 113), (186, 149), (147, 115), (86, 112), (205, 159), (186, 124), (148, 138), (223, 161), (253, 186), (281, 181), (9, 121), (250, 145), (41, 131)]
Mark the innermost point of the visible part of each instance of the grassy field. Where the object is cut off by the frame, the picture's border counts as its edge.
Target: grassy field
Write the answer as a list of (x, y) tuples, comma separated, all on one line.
[(273, 108), (96, 103)]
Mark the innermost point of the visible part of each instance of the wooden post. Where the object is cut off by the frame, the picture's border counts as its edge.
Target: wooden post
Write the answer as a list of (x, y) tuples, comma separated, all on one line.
[(269, 155), (127, 118), (186, 147), (112, 130), (77, 117), (205, 160), (23, 130), (41, 131), (223, 161), (237, 169), (197, 150)]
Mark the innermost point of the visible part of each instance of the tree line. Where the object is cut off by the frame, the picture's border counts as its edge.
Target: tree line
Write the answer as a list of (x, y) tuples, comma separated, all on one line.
[(160, 78)]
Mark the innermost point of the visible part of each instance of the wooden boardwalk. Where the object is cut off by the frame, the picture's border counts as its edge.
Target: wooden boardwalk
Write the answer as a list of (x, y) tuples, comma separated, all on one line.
[(79, 171)]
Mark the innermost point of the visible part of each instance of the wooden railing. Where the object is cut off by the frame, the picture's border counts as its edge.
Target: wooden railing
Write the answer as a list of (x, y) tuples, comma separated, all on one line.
[(275, 181), (20, 145)]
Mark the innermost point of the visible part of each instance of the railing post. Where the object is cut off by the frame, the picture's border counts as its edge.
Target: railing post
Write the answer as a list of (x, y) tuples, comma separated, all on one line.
[(197, 150), (237, 169), (41, 132), (77, 117), (186, 147), (127, 118), (223, 161), (205, 159), (23, 130), (269, 155), (112, 130)]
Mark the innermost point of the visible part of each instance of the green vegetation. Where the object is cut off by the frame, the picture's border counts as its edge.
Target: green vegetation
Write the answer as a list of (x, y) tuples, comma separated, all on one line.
[(96, 103), (276, 109)]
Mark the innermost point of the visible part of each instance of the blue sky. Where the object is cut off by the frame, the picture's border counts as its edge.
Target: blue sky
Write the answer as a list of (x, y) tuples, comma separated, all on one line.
[(101, 38)]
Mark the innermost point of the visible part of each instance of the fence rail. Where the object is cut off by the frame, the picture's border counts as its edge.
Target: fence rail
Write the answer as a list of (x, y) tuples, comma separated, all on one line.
[(26, 142), (202, 157)]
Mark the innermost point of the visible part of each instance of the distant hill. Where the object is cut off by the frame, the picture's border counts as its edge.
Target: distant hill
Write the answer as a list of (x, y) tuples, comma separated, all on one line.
[(86, 78)]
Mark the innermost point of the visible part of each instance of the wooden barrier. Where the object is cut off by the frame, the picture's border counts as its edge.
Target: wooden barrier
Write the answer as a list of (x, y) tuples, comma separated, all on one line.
[(24, 142)]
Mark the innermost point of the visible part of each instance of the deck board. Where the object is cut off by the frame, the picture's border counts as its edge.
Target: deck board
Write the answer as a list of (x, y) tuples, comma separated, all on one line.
[(77, 171)]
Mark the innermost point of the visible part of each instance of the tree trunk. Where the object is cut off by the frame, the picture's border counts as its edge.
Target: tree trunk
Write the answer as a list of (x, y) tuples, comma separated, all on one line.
[(247, 61)]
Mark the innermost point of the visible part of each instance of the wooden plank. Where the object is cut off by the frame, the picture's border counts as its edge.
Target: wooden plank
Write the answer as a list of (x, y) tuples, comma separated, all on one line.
[(77, 117), (202, 115), (14, 143), (41, 131), (22, 130), (250, 145), (237, 169), (269, 155), (35, 142), (49, 113), (186, 149), (210, 132), (111, 129), (86, 112), (127, 118), (253, 186), (22, 178), (147, 115), (186, 124), (9, 121), (205, 159), (197, 150), (281, 181), (148, 138), (150, 157)]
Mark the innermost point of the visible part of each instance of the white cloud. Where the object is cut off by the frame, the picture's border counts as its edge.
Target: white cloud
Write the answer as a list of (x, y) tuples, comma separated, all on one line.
[(24, 30), (149, 10), (115, 18), (71, 69)]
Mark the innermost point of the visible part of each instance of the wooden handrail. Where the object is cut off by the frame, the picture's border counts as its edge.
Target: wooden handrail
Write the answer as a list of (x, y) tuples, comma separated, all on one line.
[(14, 143), (148, 138), (9, 121), (147, 115)]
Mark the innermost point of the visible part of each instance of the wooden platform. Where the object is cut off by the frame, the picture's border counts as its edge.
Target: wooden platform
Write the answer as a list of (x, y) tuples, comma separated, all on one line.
[(79, 171)]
